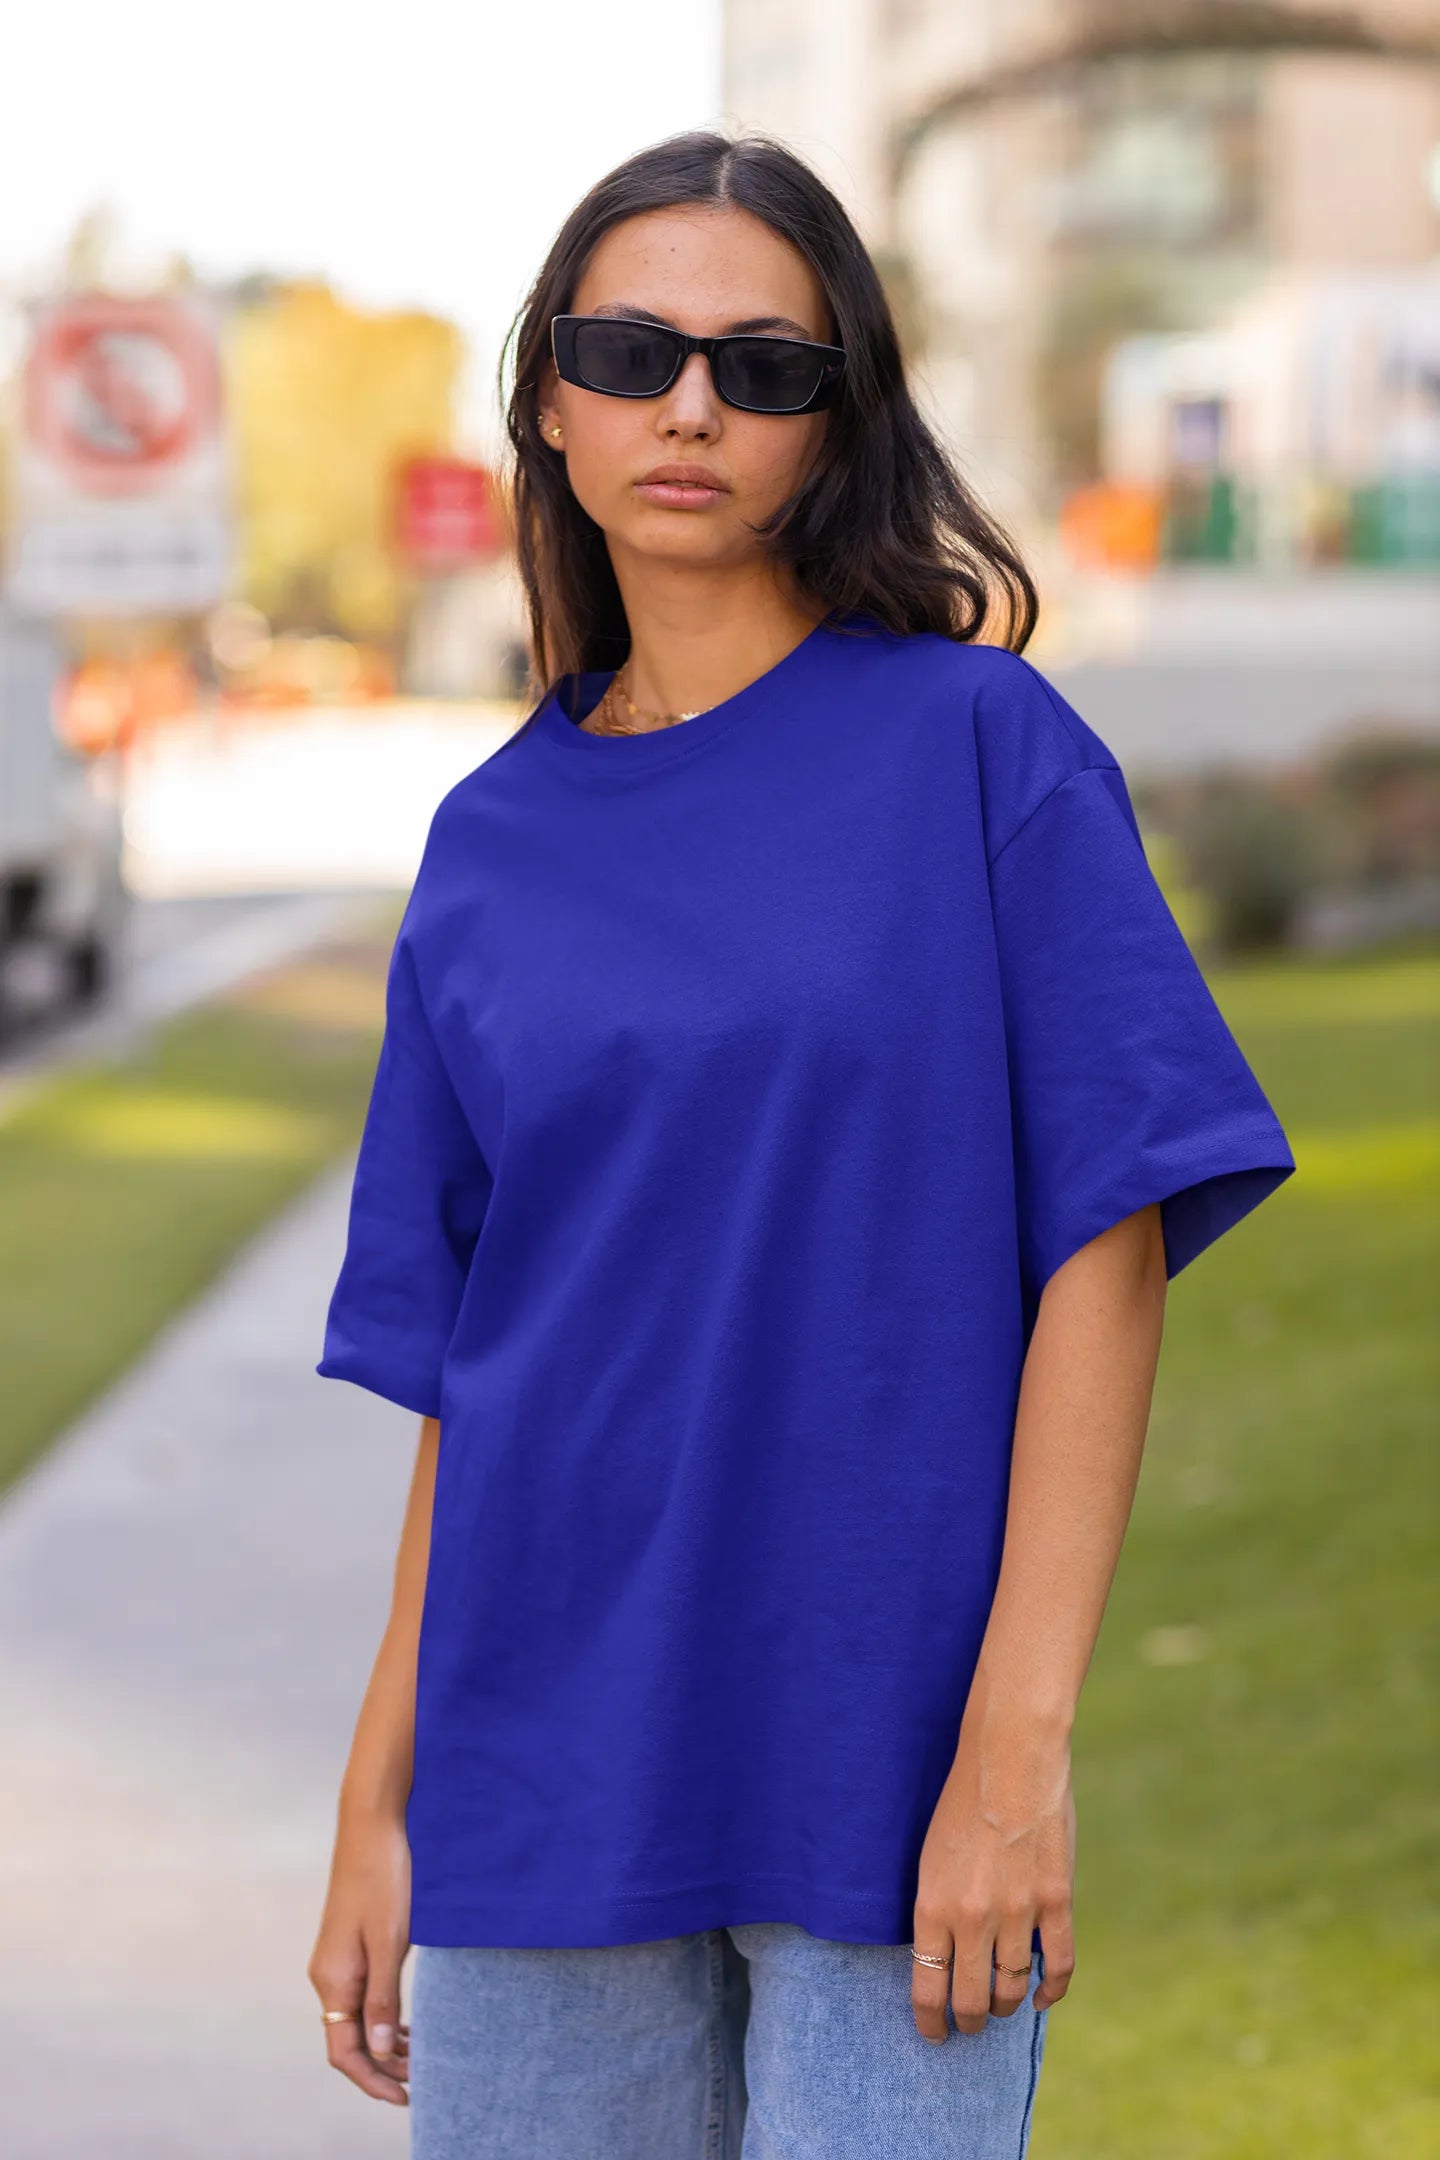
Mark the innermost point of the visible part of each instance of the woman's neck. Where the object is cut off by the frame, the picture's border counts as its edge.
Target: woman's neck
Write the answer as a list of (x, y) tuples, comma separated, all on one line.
[(688, 654)]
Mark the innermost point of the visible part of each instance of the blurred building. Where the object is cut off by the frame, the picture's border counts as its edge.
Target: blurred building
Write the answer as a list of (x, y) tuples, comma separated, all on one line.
[(1040, 178), (1167, 276), (1303, 429)]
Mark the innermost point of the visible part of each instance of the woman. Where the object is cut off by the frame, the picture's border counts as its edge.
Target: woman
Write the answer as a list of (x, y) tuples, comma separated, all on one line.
[(795, 1097)]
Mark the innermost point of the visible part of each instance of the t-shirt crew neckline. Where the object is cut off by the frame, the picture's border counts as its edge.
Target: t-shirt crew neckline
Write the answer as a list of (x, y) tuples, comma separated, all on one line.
[(579, 694)]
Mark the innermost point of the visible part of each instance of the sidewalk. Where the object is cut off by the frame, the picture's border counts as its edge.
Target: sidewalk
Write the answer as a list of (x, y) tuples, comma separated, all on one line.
[(192, 1588)]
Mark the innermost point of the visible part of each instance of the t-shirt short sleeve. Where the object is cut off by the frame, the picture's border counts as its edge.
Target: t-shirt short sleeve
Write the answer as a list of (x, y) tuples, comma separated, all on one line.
[(417, 1202), (1127, 1087)]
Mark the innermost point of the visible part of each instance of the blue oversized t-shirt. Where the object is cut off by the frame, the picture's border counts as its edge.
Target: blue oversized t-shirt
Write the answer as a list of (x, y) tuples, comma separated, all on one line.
[(742, 1084)]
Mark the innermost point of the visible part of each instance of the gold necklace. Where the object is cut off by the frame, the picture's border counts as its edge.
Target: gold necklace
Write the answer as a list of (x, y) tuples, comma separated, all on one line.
[(612, 724)]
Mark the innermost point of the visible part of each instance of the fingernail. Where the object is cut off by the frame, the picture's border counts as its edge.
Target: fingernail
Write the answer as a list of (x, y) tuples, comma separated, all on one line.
[(382, 2039)]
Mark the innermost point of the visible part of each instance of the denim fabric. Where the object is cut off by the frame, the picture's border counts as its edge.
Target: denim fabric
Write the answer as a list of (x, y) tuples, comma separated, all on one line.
[(753, 2042)]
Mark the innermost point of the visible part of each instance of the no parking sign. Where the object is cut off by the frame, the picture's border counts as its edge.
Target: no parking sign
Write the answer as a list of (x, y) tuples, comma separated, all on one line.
[(121, 497)]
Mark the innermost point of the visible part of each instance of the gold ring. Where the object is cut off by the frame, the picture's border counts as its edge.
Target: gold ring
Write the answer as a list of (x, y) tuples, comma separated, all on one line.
[(1016, 1971), (339, 2017)]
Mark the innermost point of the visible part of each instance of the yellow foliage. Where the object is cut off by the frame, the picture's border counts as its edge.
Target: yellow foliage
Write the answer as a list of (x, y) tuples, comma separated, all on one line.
[(1190, 907), (326, 403)]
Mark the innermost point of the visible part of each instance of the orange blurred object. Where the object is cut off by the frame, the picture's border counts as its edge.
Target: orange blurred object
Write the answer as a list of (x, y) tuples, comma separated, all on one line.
[(1113, 526), (303, 669), (104, 704)]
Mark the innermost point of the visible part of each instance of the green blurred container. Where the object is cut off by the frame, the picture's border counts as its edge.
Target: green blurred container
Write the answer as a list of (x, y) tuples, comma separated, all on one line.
[(1208, 520), (1395, 522)]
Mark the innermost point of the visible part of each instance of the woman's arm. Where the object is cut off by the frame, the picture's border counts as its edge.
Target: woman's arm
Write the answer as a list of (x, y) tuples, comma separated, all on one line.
[(365, 1930), (999, 1854), (382, 1754)]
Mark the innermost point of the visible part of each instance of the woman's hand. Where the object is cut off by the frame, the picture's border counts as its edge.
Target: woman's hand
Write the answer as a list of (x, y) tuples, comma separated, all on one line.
[(998, 1858), (355, 1965)]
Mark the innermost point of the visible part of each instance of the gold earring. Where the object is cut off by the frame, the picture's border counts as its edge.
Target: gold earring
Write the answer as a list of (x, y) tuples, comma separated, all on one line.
[(554, 431)]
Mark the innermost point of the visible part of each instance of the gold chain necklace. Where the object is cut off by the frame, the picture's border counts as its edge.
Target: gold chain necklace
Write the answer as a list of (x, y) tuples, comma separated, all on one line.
[(612, 724)]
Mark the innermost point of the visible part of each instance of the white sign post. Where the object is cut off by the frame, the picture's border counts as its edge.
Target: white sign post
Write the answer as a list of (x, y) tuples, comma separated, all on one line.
[(120, 502)]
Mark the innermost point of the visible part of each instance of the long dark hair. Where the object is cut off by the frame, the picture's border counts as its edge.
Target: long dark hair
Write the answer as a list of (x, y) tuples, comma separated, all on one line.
[(882, 524)]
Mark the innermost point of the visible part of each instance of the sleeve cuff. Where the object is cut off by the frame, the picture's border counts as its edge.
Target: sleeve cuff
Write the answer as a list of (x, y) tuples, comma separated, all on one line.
[(415, 1391), (1199, 1201)]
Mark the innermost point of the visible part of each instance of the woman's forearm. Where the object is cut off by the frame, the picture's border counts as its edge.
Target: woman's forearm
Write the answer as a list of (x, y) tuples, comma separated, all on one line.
[(1084, 1403), (382, 1754), (998, 1858)]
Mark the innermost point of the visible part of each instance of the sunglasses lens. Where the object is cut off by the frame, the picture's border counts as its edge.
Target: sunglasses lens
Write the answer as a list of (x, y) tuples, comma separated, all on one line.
[(768, 374), (628, 359)]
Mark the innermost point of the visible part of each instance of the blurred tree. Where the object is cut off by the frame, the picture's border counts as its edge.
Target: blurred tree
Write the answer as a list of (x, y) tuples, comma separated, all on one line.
[(326, 403), (1379, 798), (1191, 906), (91, 255), (1251, 849), (1090, 307)]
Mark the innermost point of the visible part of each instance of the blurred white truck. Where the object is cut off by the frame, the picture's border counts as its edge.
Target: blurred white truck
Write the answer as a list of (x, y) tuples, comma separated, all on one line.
[(62, 892)]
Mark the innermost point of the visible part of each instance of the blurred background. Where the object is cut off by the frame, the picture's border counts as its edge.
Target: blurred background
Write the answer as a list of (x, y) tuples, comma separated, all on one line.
[(1168, 278)]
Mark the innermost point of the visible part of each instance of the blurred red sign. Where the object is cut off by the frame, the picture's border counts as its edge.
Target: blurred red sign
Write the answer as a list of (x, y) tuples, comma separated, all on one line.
[(447, 515), (119, 391)]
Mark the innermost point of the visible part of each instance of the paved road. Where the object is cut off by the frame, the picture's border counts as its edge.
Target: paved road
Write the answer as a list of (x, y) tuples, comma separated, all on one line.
[(192, 1585)]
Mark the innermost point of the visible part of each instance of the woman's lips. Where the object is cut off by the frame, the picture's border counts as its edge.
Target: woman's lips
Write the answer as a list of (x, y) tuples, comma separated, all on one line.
[(678, 494)]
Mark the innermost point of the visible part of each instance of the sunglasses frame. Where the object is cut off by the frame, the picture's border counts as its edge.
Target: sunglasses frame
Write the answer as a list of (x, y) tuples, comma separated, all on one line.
[(563, 349)]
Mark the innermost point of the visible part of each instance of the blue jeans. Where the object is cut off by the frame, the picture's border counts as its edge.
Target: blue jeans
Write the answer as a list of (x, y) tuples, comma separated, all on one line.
[(753, 2042)]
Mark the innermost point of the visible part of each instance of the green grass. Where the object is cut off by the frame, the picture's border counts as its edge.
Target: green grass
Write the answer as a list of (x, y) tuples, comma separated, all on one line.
[(128, 1185), (1257, 1762)]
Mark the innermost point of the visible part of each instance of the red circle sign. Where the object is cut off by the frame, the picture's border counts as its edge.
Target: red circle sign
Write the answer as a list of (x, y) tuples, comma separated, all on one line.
[(118, 390)]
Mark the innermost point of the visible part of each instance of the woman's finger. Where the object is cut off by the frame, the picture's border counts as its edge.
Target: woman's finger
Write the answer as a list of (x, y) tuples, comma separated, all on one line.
[(382, 2005), (1010, 1978), (970, 1978), (341, 1988), (930, 1984), (1058, 1961), (349, 2055)]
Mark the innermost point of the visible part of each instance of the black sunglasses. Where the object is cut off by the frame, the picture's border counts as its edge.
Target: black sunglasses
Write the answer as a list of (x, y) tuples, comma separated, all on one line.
[(621, 356)]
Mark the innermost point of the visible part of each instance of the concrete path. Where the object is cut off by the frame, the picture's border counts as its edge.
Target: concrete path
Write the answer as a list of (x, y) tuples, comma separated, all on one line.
[(192, 1587)]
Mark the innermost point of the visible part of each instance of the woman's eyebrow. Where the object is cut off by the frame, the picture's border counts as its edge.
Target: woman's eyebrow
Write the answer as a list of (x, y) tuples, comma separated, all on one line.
[(746, 326)]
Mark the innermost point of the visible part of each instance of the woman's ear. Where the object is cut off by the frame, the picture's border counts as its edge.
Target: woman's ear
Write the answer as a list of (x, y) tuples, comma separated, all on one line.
[(546, 416)]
